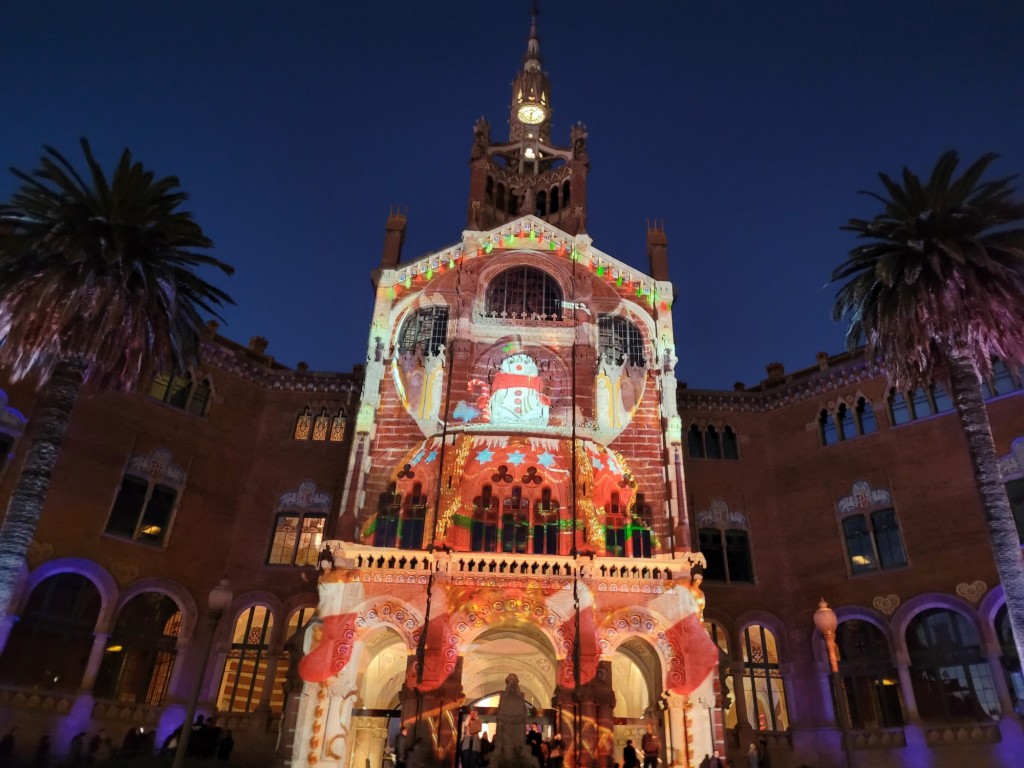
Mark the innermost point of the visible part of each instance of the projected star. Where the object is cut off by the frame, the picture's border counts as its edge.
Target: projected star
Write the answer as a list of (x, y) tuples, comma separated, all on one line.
[(598, 464), (485, 456), (432, 456), (515, 458), (545, 459)]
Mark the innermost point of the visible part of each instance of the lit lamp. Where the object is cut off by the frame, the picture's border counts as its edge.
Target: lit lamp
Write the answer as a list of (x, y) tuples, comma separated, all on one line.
[(219, 601), (826, 622)]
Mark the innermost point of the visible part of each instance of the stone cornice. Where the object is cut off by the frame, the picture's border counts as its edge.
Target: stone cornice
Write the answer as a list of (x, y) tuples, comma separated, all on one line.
[(272, 376)]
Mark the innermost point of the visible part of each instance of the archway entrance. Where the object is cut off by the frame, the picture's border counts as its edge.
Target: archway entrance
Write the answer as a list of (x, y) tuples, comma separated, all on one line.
[(636, 677), (376, 718)]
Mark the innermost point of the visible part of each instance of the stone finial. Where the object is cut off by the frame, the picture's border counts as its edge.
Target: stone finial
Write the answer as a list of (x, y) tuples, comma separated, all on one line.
[(776, 372), (212, 326), (822, 358), (302, 366), (258, 344), (739, 386)]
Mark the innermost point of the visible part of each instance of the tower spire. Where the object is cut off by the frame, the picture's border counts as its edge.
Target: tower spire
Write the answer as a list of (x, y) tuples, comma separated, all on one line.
[(531, 91)]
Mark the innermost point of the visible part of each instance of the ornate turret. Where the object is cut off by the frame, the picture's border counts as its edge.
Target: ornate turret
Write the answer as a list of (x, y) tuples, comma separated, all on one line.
[(527, 174)]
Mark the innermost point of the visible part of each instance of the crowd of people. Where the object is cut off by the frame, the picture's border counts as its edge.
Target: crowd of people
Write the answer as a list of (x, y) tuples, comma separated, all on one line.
[(205, 741)]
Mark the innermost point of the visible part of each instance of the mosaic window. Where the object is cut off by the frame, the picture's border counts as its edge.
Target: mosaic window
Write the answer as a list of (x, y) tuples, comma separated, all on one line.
[(619, 340), (245, 671), (182, 392), (948, 669), (524, 292), (50, 643), (140, 654), (424, 331), (869, 676), (321, 428), (147, 499), (763, 689)]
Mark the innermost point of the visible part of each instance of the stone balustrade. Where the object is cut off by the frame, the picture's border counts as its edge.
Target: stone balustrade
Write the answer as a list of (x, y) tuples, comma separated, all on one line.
[(881, 738), (967, 733)]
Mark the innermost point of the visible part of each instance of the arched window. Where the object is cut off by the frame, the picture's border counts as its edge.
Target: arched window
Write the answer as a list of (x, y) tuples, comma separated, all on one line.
[(297, 537), (827, 428), (615, 528), (542, 203), (303, 426), (763, 689), (245, 671), (524, 291), (483, 532), (411, 535), (337, 428), (554, 199), (899, 411), (489, 190), (712, 443), (424, 331), (730, 444), (643, 519), (545, 524), (619, 340), (948, 668), (148, 496), (695, 442), (866, 416), (182, 392), (844, 419), (389, 507), (870, 677), (1011, 663), (52, 639), (321, 426), (139, 656), (515, 522), (725, 543), (565, 194)]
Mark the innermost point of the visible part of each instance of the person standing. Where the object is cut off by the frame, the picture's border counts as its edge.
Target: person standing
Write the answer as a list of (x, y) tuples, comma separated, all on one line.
[(716, 760), (401, 747), (753, 761), (535, 740), (629, 756), (651, 747), (471, 747)]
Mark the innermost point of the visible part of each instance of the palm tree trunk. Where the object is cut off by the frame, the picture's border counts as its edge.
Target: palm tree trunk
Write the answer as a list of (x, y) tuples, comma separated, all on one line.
[(56, 401), (1002, 530)]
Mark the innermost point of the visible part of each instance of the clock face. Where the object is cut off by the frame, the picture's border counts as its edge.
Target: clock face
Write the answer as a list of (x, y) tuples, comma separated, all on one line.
[(531, 114)]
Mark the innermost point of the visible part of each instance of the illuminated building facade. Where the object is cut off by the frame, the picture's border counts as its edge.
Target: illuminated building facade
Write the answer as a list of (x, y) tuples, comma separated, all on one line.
[(515, 482)]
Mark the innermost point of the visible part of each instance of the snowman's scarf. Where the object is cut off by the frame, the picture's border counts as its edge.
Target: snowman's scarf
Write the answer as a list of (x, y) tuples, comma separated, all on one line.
[(517, 381)]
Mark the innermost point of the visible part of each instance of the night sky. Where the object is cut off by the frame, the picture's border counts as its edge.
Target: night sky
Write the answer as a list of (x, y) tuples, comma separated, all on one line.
[(748, 128)]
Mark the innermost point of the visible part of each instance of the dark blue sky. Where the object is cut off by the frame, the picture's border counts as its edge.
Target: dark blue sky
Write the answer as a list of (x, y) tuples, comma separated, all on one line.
[(747, 127)]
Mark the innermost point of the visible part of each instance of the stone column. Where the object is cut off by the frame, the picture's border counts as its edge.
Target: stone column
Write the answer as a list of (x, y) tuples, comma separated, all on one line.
[(336, 726), (269, 681), (92, 666), (995, 663), (677, 747), (907, 689)]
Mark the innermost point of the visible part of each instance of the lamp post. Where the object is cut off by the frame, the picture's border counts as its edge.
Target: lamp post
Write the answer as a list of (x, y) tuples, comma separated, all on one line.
[(708, 703), (219, 600), (826, 622)]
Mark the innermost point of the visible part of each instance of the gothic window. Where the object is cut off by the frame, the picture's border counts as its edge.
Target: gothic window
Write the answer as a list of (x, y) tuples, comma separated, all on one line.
[(182, 392), (943, 402), (873, 541), (321, 425), (140, 654), (515, 522), (899, 411), (303, 426), (712, 443), (846, 422), (865, 416), (695, 442), (919, 404), (565, 194), (870, 677), (554, 199), (730, 444), (542, 203), (545, 524), (615, 528), (411, 534), (948, 669), (321, 428), (1010, 661), (424, 331), (643, 520), (763, 688), (389, 507), (143, 509), (725, 543), (50, 643), (619, 340), (484, 528), (827, 428), (337, 429), (523, 291), (297, 537), (1002, 380), (245, 671)]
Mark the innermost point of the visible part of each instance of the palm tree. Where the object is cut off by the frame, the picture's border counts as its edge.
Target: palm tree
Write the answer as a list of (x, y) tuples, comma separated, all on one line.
[(936, 292), (97, 288)]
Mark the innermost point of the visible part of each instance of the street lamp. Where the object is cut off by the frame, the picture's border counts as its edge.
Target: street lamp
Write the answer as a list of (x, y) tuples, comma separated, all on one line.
[(708, 702), (219, 600), (826, 622)]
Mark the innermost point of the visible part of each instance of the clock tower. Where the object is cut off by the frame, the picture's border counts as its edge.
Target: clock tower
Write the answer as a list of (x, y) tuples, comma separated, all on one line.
[(528, 174)]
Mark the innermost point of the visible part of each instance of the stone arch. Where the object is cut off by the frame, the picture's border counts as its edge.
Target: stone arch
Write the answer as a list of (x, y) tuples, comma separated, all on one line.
[(559, 270), (852, 613), (504, 608), (988, 608), (96, 573), (764, 619), (244, 602), (905, 614), (178, 593), (388, 612)]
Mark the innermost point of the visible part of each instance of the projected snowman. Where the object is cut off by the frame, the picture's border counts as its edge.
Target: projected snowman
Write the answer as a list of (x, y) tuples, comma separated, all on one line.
[(516, 396)]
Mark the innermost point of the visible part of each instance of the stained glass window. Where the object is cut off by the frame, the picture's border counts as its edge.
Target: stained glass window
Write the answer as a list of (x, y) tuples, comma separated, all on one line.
[(337, 429), (320, 426), (245, 670), (870, 677), (303, 426), (763, 687)]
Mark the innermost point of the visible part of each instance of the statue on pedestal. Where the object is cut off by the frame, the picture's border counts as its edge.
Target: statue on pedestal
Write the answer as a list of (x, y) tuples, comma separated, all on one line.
[(510, 748)]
